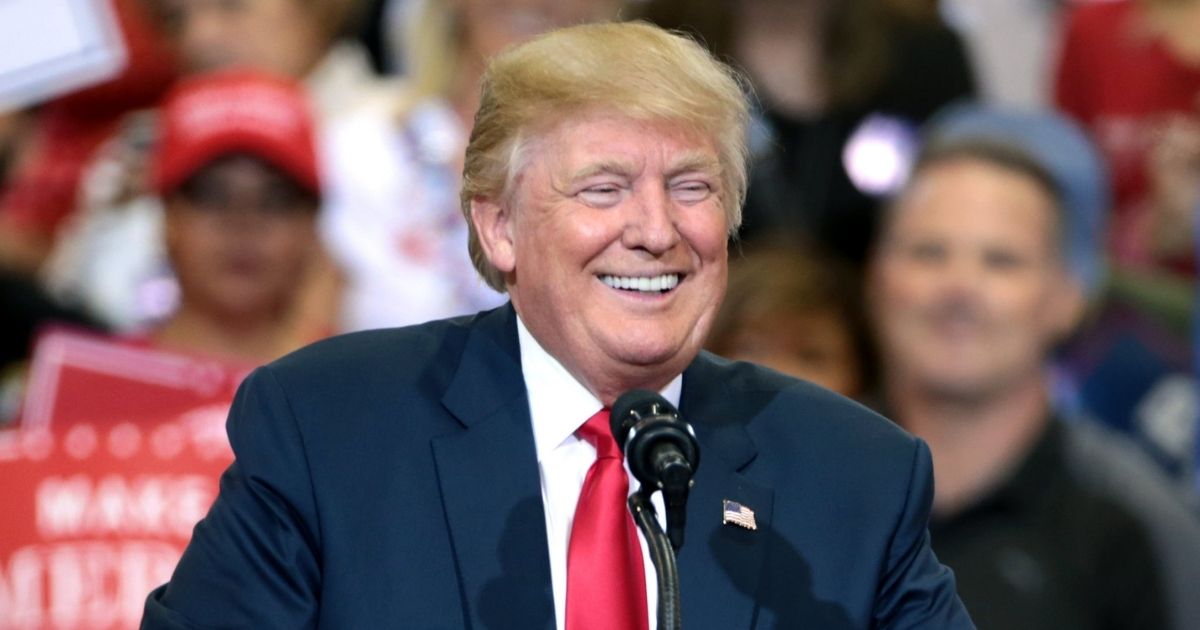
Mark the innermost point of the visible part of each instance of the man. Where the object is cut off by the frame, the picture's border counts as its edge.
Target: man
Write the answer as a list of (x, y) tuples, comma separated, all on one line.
[(440, 476), (975, 279)]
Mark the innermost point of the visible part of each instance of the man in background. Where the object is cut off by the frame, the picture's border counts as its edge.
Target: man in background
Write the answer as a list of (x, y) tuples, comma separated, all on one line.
[(972, 285)]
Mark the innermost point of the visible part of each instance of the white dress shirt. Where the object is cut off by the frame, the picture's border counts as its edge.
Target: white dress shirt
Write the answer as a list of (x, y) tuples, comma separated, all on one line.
[(558, 406)]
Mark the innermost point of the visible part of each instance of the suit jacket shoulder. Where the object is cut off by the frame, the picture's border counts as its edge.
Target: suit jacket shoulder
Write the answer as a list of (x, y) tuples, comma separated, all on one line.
[(381, 478), (846, 495), (790, 419), (373, 361)]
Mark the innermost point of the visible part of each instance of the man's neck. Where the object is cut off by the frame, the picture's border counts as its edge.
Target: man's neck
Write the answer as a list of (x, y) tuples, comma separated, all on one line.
[(975, 442), (535, 359), (258, 341)]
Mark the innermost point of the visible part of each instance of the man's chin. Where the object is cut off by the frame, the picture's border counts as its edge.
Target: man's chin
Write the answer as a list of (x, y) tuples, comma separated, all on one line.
[(235, 306), (654, 357), (962, 388)]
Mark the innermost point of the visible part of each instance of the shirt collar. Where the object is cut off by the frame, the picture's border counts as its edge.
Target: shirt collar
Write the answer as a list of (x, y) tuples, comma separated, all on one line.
[(559, 404), (1032, 480)]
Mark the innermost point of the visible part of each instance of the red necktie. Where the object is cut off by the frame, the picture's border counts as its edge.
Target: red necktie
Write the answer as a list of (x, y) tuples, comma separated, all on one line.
[(606, 582)]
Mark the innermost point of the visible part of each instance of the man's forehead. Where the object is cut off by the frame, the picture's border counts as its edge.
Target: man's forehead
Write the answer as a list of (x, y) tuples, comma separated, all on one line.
[(966, 187), (574, 124), (631, 164)]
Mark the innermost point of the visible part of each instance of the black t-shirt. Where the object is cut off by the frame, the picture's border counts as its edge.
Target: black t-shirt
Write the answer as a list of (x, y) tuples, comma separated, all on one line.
[(1044, 551)]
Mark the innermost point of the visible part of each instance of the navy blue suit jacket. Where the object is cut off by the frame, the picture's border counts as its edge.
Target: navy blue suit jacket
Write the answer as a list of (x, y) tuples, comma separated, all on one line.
[(388, 479)]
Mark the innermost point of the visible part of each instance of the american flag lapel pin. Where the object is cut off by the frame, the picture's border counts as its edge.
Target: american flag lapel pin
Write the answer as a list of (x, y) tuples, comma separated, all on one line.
[(734, 513)]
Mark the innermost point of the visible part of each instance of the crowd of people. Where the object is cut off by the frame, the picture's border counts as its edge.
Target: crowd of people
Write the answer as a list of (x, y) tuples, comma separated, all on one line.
[(992, 245)]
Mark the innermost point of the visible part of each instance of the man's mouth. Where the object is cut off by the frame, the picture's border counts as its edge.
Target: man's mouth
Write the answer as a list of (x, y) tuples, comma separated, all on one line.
[(643, 284)]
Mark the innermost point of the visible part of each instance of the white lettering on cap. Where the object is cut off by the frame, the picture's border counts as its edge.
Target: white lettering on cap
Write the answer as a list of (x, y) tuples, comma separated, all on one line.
[(255, 109)]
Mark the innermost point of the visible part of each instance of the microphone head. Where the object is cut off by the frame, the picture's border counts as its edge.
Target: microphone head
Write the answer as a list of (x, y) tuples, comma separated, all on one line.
[(634, 405)]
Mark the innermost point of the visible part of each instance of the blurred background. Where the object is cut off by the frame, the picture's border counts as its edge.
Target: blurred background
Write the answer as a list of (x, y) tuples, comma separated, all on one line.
[(978, 217)]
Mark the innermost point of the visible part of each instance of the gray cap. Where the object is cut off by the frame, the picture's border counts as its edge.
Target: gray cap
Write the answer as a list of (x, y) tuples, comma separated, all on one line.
[(1064, 151)]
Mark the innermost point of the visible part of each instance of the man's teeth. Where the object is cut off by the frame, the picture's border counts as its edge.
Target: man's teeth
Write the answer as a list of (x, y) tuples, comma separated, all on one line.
[(665, 282)]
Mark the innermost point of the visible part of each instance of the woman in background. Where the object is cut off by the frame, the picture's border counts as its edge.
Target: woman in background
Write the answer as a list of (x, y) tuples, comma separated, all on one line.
[(393, 222), (798, 312)]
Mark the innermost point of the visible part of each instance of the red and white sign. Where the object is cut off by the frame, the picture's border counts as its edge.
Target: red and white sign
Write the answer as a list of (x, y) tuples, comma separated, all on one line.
[(118, 455)]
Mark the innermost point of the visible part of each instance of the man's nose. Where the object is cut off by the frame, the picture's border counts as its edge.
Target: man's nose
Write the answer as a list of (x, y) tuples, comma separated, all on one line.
[(962, 275), (651, 224)]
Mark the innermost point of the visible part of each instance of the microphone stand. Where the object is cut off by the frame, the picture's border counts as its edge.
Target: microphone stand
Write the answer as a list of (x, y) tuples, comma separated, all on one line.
[(663, 556)]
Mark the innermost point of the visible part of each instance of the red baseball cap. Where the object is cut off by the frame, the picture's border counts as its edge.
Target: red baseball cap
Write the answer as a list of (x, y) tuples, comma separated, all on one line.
[(215, 114)]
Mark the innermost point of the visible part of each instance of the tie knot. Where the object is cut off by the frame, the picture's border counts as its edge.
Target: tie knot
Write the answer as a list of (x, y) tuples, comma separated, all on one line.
[(598, 433)]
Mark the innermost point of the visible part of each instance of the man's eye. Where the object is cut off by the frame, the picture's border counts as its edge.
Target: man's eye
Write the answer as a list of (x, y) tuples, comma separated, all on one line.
[(1002, 260), (927, 252), (601, 195), (691, 192)]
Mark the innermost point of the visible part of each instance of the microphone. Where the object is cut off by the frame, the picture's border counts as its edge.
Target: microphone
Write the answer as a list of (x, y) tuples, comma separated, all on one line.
[(661, 451)]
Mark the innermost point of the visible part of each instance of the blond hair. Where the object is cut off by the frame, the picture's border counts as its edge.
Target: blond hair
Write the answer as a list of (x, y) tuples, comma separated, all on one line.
[(639, 70)]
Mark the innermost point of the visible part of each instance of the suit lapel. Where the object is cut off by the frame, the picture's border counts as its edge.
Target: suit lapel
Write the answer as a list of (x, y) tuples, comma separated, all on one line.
[(720, 565), (491, 493), (490, 484)]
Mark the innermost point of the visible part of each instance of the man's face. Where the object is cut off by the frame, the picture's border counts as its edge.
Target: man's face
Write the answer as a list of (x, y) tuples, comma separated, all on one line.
[(240, 234), (614, 247), (280, 36), (967, 290)]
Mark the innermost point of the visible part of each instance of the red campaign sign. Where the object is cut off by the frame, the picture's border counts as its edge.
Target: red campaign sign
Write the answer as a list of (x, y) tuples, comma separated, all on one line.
[(119, 454), (77, 377)]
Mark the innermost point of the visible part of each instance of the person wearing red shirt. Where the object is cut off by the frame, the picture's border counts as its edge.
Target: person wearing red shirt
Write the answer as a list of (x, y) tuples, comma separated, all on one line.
[(1130, 72)]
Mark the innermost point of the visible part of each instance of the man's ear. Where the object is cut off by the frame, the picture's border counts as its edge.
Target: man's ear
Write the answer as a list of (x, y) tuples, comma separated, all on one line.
[(871, 281), (1068, 305), (493, 224)]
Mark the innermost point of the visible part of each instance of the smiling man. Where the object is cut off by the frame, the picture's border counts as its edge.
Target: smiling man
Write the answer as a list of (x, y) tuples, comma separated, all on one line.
[(1047, 523), (624, 221), (460, 473)]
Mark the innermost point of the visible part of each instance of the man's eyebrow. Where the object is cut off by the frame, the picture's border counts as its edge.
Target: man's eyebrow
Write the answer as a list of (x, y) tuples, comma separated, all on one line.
[(614, 167), (697, 162), (691, 162)]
